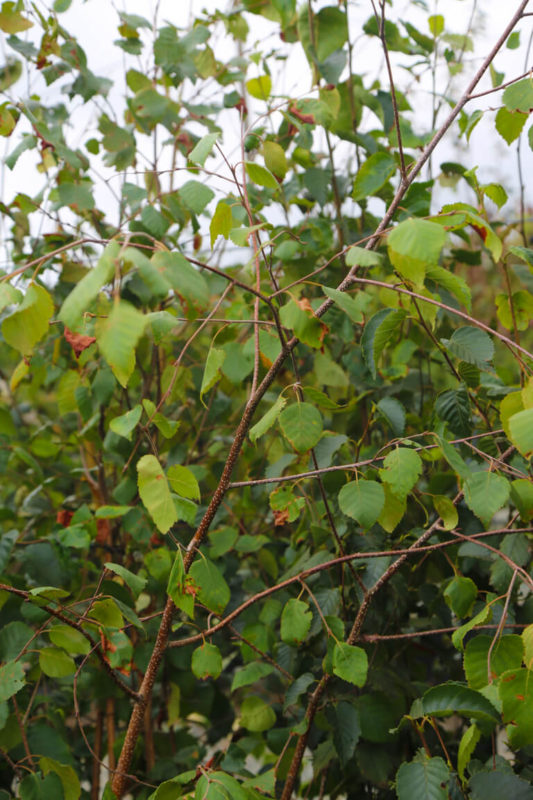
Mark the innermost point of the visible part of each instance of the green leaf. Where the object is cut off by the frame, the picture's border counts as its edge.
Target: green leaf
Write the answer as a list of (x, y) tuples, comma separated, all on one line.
[(510, 124), (393, 411), (9, 295), (377, 333), (11, 20), (452, 283), (471, 345), (350, 663), (203, 148), (423, 779), (117, 339), (516, 693), (213, 591), (267, 420), (250, 673), (81, 297), (393, 510), (260, 88), (505, 654), (295, 621), (403, 467), (29, 323), (522, 497), (519, 96), (299, 316), (11, 679), (195, 196), (70, 639), (302, 426), (66, 774), (221, 222), (485, 493), (455, 698), (453, 407), (135, 582), (413, 246), (256, 715), (126, 423), (188, 283), (206, 661), (495, 785), (56, 663), (362, 257), (363, 501), (521, 431), (485, 615), (275, 159), (215, 359), (79, 196), (446, 511), (155, 493), (460, 595), (467, 745), (346, 730), (260, 175), (345, 302), (183, 482), (178, 587), (373, 174)]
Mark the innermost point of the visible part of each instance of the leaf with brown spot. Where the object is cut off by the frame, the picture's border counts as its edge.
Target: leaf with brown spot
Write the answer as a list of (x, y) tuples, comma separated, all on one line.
[(78, 341)]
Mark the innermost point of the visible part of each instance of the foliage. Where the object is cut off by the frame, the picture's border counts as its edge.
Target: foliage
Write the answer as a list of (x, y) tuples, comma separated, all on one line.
[(266, 415)]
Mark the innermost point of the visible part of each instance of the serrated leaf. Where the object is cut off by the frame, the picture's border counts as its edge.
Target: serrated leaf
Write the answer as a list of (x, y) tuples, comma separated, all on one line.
[(203, 148), (11, 679), (188, 283), (350, 663), (453, 407), (155, 493), (454, 459), (250, 673), (135, 582), (485, 615), (299, 316), (522, 497), (452, 283), (471, 345), (256, 715), (221, 222), (394, 413), (126, 423), (519, 96), (446, 511), (29, 323), (195, 196), (267, 420), (363, 501), (373, 174), (117, 339), (505, 654), (424, 779), (261, 175), (521, 431), (183, 482), (206, 661), (302, 426), (403, 467), (215, 359), (80, 298), (413, 245), (496, 784), (516, 692), (70, 639), (455, 698), (56, 663), (213, 591), (346, 730), (377, 333), (485, 493), (393, 510), (345, 302), (362, 257), (460, 595), (295, 621), (467, 745), (275, 159), (9, 295)]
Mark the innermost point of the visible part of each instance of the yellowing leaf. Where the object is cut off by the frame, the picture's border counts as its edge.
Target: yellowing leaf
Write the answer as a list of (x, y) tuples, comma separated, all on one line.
[(23, 329), (215, 359), (155, 493), (118, 337)]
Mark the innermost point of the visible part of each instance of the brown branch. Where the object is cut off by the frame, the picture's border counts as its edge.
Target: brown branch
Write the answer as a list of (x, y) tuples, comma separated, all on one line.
[(501, 85)]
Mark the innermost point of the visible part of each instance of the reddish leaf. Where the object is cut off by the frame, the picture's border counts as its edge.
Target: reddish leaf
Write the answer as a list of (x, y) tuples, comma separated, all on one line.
[(78, 341)]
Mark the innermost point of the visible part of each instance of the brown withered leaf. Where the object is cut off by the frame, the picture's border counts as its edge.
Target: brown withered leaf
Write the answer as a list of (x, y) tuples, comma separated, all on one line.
[(281, 517), (78, 341)]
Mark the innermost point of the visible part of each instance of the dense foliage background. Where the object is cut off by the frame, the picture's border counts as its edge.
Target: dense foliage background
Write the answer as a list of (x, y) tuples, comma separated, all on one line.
[(266, 409)]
